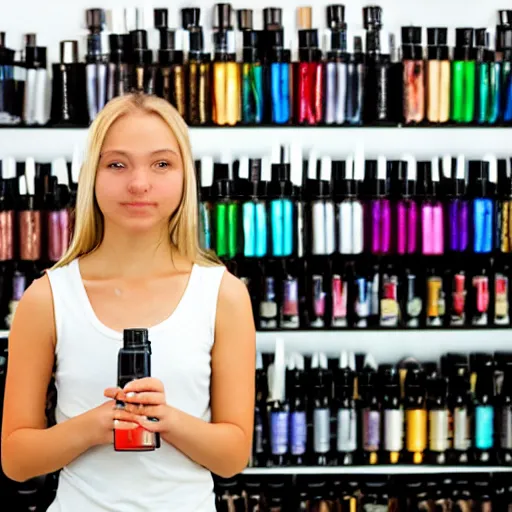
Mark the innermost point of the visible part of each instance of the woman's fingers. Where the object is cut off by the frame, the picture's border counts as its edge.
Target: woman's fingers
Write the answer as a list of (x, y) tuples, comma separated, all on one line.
[(145, 398), (142, 385), (123, 415), (124, 425), (149, 411)]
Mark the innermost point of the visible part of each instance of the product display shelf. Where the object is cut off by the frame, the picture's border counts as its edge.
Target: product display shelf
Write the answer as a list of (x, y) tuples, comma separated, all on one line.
[(47, 143), (376, 470)]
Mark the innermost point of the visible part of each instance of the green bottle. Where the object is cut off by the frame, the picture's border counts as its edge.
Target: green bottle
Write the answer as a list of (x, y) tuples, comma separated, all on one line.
[(463, 77), (225, 213)]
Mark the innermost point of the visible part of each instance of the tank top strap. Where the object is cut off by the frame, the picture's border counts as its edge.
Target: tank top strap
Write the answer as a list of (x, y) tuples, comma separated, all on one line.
[(204, 293)]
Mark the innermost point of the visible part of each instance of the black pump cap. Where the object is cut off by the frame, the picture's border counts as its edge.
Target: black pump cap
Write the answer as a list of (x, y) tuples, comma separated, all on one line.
[(196, 40), (2, 39), (223, 186), (308, 38), (464, 37), (35, 57), (426, 186), (117, 45), (343, 188), (280, 183), (161, 19), (374, 187), (95, 19), (254, 186), (405, 188), (414, 382), (478, 179), (276, 39), (504, 38), (411, 35), (250, 39), (481, 37), (222, 16), (437, 36), (139, 39), (245, 19), (135, 337), (167, 40), (505, 17), (372, 17), (504, 179), (346, 379), (272, 18), (339, 40), (190, 17), (335, 17)]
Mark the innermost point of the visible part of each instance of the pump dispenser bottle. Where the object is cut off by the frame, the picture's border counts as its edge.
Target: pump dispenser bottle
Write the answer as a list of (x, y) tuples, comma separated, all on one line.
[(134, 362), (438, 76), (393, 413), (370, 412), (406, 214), (414, 75), (355, 80), (415, 415), (253, 107), (321, 411), (488, 79), (298, 406), (463, 77)]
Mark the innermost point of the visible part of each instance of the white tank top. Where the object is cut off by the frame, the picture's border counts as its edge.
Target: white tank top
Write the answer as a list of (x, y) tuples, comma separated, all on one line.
[(101, 479)]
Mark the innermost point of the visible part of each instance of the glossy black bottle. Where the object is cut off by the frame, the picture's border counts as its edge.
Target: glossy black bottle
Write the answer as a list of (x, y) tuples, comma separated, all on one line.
[(298, 421), (369, 421), (504, 417), (260, 437), (346, 417), (321, 442)]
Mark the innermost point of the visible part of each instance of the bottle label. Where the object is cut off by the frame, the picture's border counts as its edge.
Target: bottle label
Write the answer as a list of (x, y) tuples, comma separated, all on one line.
[(279, 432), (416, 432), (461, 429), (298, 433), (393, 430), (321, 430), (439, 430), (484, 427), (371, 430), (346, 430)]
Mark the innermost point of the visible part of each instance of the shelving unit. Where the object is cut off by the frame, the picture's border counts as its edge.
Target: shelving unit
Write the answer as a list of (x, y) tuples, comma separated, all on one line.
[(376, 470), (423, 142)]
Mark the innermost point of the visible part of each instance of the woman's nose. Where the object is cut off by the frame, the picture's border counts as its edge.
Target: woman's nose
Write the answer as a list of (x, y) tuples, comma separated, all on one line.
[(139, 181)]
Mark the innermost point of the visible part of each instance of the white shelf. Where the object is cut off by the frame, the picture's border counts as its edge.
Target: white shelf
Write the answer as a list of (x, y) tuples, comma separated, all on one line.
[(47, 143), (376, 470), (393, 345)]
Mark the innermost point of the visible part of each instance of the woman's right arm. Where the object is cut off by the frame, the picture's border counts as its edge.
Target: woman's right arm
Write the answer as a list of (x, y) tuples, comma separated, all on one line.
[(29, 448)]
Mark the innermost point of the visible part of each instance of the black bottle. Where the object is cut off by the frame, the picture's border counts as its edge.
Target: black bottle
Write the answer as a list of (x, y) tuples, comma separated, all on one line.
[(134, 362), (504, 416), (369, 415), (415, 414), (69, 92), (298, 420), (260, 437), (346, 416), (438, 420)]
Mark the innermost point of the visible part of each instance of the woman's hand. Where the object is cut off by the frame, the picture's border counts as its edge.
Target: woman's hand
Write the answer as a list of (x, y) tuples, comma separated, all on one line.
[(101, 421), (145, 402)]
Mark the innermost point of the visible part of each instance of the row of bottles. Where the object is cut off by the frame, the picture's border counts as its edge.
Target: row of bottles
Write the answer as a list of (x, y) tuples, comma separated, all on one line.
[(310, 493), (350, 411), (338, 293), (253, 77), (286, 205)]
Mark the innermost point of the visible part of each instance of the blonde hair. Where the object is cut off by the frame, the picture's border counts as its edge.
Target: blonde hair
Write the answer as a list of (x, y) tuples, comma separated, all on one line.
[(89, 224)]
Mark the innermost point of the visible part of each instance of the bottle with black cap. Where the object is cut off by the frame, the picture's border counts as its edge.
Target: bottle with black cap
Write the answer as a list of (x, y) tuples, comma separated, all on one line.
[(504, 408), (204, 177), (463, 76), (482, 366), (488, 79), (118, 77), (20, 75), (438, 75), (7, 84), (252, 79), (226, 222), (282, 193), (229, 496), (504, 208), (226, 76), (296, 377), (393, 414), (170, 77), (336, 67), (376, 87), (355, 80), (199, 105), (310, 77), (69, 92), (482, 177), (96, 66), (134, 362), (438, 420), (415, 414), (504, 57), (141, 61), (279, 105), (414, 75)]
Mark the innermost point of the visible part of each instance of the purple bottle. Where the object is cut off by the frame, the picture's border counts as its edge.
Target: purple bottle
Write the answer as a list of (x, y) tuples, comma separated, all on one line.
[(432, 214), (378, 214), (406, 208), (456, 206)]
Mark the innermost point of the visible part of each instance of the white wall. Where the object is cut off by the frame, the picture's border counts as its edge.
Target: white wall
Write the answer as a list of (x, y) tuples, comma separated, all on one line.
[(56, 20)]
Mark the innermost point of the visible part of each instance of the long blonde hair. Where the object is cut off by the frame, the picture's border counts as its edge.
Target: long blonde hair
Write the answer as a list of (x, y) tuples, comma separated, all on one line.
[(89, 224)]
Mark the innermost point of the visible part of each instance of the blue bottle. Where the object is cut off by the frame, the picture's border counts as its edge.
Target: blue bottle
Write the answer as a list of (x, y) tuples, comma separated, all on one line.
[(282, 218), (482, 190), (484, 408), (279, 78)]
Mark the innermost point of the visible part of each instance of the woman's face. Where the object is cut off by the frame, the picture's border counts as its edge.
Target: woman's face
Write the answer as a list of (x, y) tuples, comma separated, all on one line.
[(139, 182)]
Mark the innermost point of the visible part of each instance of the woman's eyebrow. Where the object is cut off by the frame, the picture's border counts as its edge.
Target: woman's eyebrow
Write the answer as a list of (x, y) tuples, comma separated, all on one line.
[(125, 153)]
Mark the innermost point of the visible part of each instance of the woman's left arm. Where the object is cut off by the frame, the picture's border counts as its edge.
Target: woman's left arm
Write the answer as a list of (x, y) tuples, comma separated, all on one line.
[(224, 445)]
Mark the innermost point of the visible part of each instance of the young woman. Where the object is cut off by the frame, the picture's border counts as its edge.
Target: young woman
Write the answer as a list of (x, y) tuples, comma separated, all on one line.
[(134, 261)]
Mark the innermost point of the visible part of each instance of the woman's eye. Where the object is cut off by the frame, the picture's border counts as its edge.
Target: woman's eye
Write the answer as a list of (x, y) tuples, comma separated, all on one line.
[(162, 165), (116, 165)]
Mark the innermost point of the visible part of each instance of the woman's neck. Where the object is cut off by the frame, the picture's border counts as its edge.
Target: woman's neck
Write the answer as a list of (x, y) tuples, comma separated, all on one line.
[(126, 255)]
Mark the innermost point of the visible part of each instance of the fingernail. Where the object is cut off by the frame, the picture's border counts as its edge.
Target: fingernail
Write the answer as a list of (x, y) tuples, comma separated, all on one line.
[(131, 394)]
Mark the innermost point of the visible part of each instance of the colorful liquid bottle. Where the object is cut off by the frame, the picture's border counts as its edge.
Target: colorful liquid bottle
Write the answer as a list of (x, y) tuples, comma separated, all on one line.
[(252, 79), (406, 209), (438, 76), (413, 75), (463, 77), (415, 415), (280, 72)]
